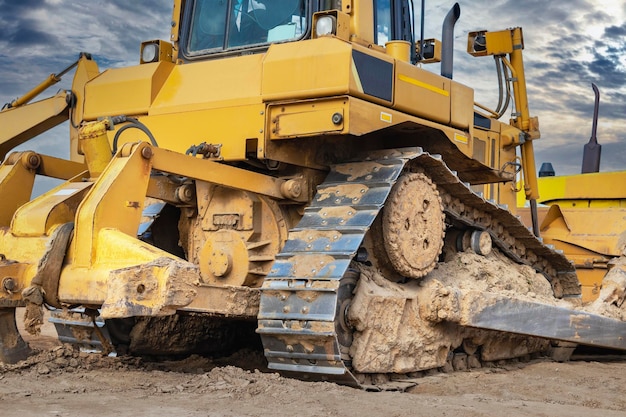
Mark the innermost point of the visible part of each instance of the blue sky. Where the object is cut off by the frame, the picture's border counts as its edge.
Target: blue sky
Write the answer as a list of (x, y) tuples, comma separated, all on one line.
[(568, 45)]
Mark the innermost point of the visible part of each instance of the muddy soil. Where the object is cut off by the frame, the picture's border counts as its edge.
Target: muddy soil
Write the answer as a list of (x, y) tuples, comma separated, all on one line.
[(60, 381)]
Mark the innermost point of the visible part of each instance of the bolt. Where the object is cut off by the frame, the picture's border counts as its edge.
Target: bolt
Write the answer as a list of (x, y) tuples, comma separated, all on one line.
[(146, 153), (8, 284), (337, 118), (291, 189), (34, 161), (185, 193)]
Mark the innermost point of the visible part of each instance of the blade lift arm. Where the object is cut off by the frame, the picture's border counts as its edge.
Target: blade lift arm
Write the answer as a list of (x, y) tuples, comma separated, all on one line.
[(22, 120), (510, 42)]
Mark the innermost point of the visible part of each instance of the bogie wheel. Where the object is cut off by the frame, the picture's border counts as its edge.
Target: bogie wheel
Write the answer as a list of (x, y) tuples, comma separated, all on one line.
[(344, 299)]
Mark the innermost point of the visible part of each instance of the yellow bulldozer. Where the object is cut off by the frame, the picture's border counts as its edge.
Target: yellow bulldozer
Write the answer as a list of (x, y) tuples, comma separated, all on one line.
[(289, 167), (583, 215)]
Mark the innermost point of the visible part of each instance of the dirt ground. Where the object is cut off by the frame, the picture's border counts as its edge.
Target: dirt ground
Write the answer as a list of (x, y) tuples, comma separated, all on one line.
[(62, 382)]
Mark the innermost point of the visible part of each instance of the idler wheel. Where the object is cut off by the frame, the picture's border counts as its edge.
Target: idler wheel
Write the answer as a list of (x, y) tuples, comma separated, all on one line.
[(413, 225)]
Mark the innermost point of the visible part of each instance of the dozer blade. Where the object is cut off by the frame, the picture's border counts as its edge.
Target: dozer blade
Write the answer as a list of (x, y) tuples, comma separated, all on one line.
[(12, 347), (486, 311)]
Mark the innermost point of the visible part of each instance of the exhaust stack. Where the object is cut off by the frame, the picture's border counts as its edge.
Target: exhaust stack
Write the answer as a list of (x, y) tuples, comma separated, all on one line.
[(447, 40), (593, 150)]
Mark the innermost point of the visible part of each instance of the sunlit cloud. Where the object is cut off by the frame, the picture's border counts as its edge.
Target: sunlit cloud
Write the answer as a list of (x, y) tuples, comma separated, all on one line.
[(567, 47)]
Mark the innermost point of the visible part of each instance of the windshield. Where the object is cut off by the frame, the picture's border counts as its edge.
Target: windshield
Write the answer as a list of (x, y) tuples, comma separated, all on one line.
[(218, 25)]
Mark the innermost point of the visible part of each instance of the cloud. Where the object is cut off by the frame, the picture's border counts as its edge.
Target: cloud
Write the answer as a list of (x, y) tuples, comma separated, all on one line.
[(615, 31), (566, 49)]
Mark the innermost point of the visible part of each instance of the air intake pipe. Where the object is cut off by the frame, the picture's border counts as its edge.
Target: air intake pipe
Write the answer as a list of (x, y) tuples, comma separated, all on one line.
[(447, 40)]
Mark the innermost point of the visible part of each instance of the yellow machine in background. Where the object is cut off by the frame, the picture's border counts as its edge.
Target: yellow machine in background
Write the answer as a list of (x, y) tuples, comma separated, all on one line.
[(585, 215), (281, 164), (586, 220)]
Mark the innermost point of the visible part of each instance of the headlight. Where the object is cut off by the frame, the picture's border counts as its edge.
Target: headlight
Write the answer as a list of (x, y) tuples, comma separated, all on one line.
[(150, 52), (325, 25)]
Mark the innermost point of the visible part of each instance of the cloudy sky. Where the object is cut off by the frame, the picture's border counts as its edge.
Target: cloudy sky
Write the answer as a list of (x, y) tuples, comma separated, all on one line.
[(568, 45)]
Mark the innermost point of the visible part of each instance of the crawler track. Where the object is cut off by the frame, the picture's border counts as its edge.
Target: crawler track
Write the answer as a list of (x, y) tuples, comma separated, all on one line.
[(298, 317)]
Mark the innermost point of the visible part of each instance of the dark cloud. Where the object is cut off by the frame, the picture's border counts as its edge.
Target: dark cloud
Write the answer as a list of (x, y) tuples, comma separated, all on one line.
[(615, 31), (27, 33), (21, 5), (607, 67)]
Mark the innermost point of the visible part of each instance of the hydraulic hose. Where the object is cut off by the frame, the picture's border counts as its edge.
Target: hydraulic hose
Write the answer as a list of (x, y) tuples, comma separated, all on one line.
[(133, 123)]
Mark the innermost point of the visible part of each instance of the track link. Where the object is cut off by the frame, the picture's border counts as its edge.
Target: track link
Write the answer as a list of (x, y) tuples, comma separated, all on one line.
[(298, 313)]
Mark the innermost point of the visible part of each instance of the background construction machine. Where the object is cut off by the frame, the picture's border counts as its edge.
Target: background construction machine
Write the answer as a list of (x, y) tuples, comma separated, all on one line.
[(584, 214), (274, 165)]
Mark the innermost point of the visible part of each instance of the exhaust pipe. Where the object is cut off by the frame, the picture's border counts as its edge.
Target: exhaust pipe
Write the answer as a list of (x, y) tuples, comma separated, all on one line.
[(447, 40), (593, 150)]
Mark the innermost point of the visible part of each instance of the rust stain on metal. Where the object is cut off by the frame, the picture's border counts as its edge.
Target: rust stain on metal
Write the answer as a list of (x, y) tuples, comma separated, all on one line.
[(359, 170)]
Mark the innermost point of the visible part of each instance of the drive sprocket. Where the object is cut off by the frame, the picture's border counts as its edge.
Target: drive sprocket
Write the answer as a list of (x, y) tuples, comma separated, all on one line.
[(413, 225)]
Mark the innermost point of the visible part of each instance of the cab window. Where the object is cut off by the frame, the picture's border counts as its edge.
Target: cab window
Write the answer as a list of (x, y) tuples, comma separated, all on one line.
[(219, 25)]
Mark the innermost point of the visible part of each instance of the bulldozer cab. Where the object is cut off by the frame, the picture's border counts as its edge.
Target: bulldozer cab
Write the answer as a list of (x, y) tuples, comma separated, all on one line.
[(214, 26), (210, 28)]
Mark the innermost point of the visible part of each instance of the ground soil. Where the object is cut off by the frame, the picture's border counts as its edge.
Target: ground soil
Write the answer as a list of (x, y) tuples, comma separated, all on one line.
[(59, 381)]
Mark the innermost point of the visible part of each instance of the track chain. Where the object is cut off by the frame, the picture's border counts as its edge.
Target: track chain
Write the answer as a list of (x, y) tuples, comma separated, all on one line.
[(299, 298)]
